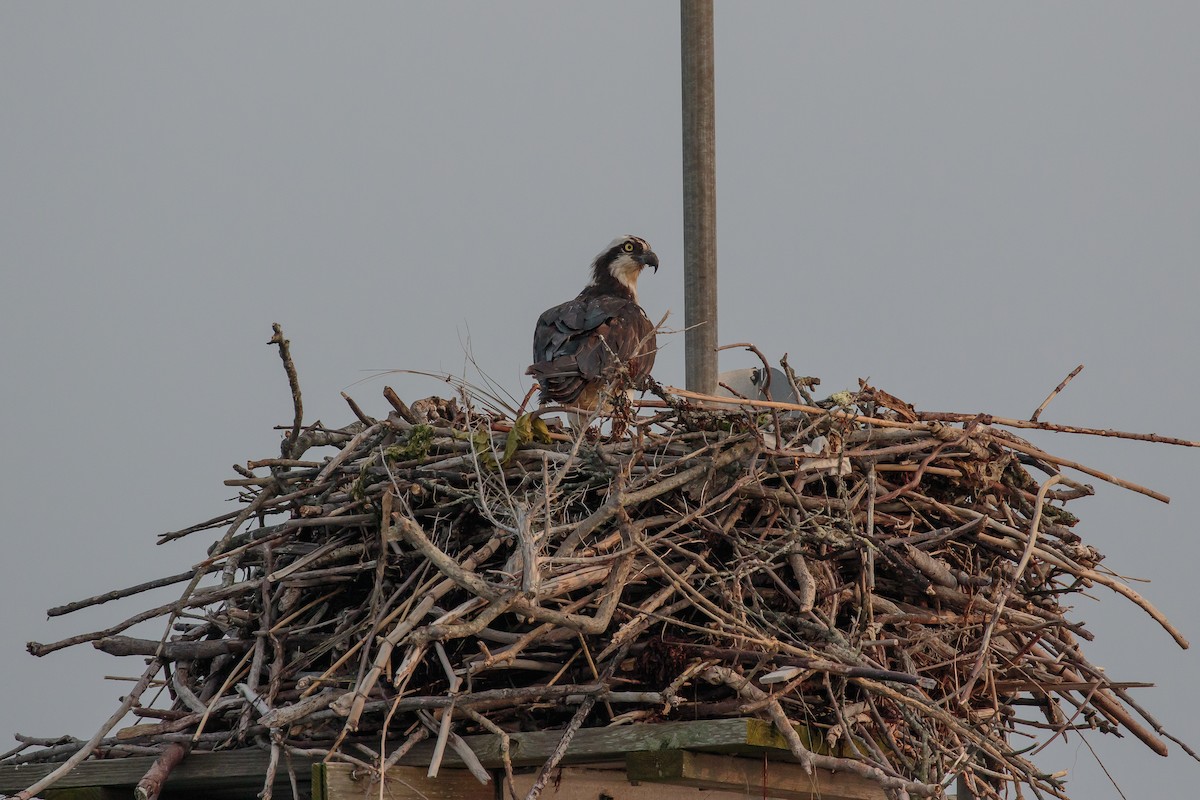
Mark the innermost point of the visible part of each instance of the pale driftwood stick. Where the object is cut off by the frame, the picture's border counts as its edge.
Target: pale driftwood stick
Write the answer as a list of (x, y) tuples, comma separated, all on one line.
[(442, 630), (1121, 588), (922, 444), (15, 751), (329, 755), (349, 450), (179, 681), (647, 614), (272, 503), (86, 750), (518, 642), (709, 608), (505, 743), (329, 575), (989, 419), (55, 752), (282, 716), (469, 759), (402, 609), (230, 568), (1054, 393), (741, 684), (295, 784), (442, 729), (463, 576), (448, 715), (215, 702)]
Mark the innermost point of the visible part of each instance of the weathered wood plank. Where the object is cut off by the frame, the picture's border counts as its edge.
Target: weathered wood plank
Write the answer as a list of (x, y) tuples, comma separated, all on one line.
[(776, 779), (345, 782), (87, 793), (230, 769), (592, 745), (583, 783), (238, 768)]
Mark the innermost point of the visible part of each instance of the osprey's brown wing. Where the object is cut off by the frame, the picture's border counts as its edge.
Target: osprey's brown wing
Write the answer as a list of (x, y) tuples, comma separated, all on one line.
[(581, 344)]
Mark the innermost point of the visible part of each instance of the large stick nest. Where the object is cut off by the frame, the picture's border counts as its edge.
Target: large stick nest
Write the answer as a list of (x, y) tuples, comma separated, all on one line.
[(895, 587)]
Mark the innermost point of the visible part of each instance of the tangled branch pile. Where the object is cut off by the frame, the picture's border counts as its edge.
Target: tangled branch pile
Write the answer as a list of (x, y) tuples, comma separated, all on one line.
[(893, 584)]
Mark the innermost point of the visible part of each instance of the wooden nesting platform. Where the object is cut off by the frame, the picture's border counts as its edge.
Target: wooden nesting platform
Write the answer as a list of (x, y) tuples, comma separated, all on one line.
[(725, 758)]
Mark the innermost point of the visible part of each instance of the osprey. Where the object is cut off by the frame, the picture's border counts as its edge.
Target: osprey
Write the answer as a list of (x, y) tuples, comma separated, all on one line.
[(582, 345)]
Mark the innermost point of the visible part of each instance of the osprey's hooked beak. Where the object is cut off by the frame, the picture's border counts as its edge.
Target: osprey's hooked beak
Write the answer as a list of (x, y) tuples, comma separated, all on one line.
[(649, 259)]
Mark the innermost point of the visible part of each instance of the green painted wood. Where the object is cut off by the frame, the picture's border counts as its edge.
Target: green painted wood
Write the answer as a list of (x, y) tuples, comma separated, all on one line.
[(763, 735), (319, 778), (592, 745), (232, 769)]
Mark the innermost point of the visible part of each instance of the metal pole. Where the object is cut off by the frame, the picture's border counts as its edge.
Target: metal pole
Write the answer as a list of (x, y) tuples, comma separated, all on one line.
[(699, 196)]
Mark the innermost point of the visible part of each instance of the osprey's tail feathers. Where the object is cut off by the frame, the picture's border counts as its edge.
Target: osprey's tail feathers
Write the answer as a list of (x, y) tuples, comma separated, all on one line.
[(559, 380)]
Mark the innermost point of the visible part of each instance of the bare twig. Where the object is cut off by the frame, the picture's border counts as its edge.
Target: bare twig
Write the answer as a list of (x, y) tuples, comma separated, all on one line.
[(1038, 411), (285, 354)]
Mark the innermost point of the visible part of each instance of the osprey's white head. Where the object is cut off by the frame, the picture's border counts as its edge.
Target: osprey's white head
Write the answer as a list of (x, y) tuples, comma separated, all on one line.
[(621, 262)]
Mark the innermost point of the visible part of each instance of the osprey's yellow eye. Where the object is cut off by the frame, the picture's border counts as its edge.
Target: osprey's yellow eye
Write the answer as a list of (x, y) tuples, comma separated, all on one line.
[(629, 247)]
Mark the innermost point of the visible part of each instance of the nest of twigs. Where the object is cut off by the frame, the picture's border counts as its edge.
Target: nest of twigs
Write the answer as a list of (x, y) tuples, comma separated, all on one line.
[(893, 586)]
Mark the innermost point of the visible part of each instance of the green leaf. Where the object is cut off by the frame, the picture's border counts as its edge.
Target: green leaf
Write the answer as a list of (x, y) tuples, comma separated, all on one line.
[(541, 431), (519, 435), (481, 443)]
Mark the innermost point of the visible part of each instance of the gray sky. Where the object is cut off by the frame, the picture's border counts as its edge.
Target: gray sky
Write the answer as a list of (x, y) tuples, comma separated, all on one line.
[(959, 202)]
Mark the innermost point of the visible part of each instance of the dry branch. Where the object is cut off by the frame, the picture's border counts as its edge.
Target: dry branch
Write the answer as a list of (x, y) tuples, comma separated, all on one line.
[(893, 583)]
